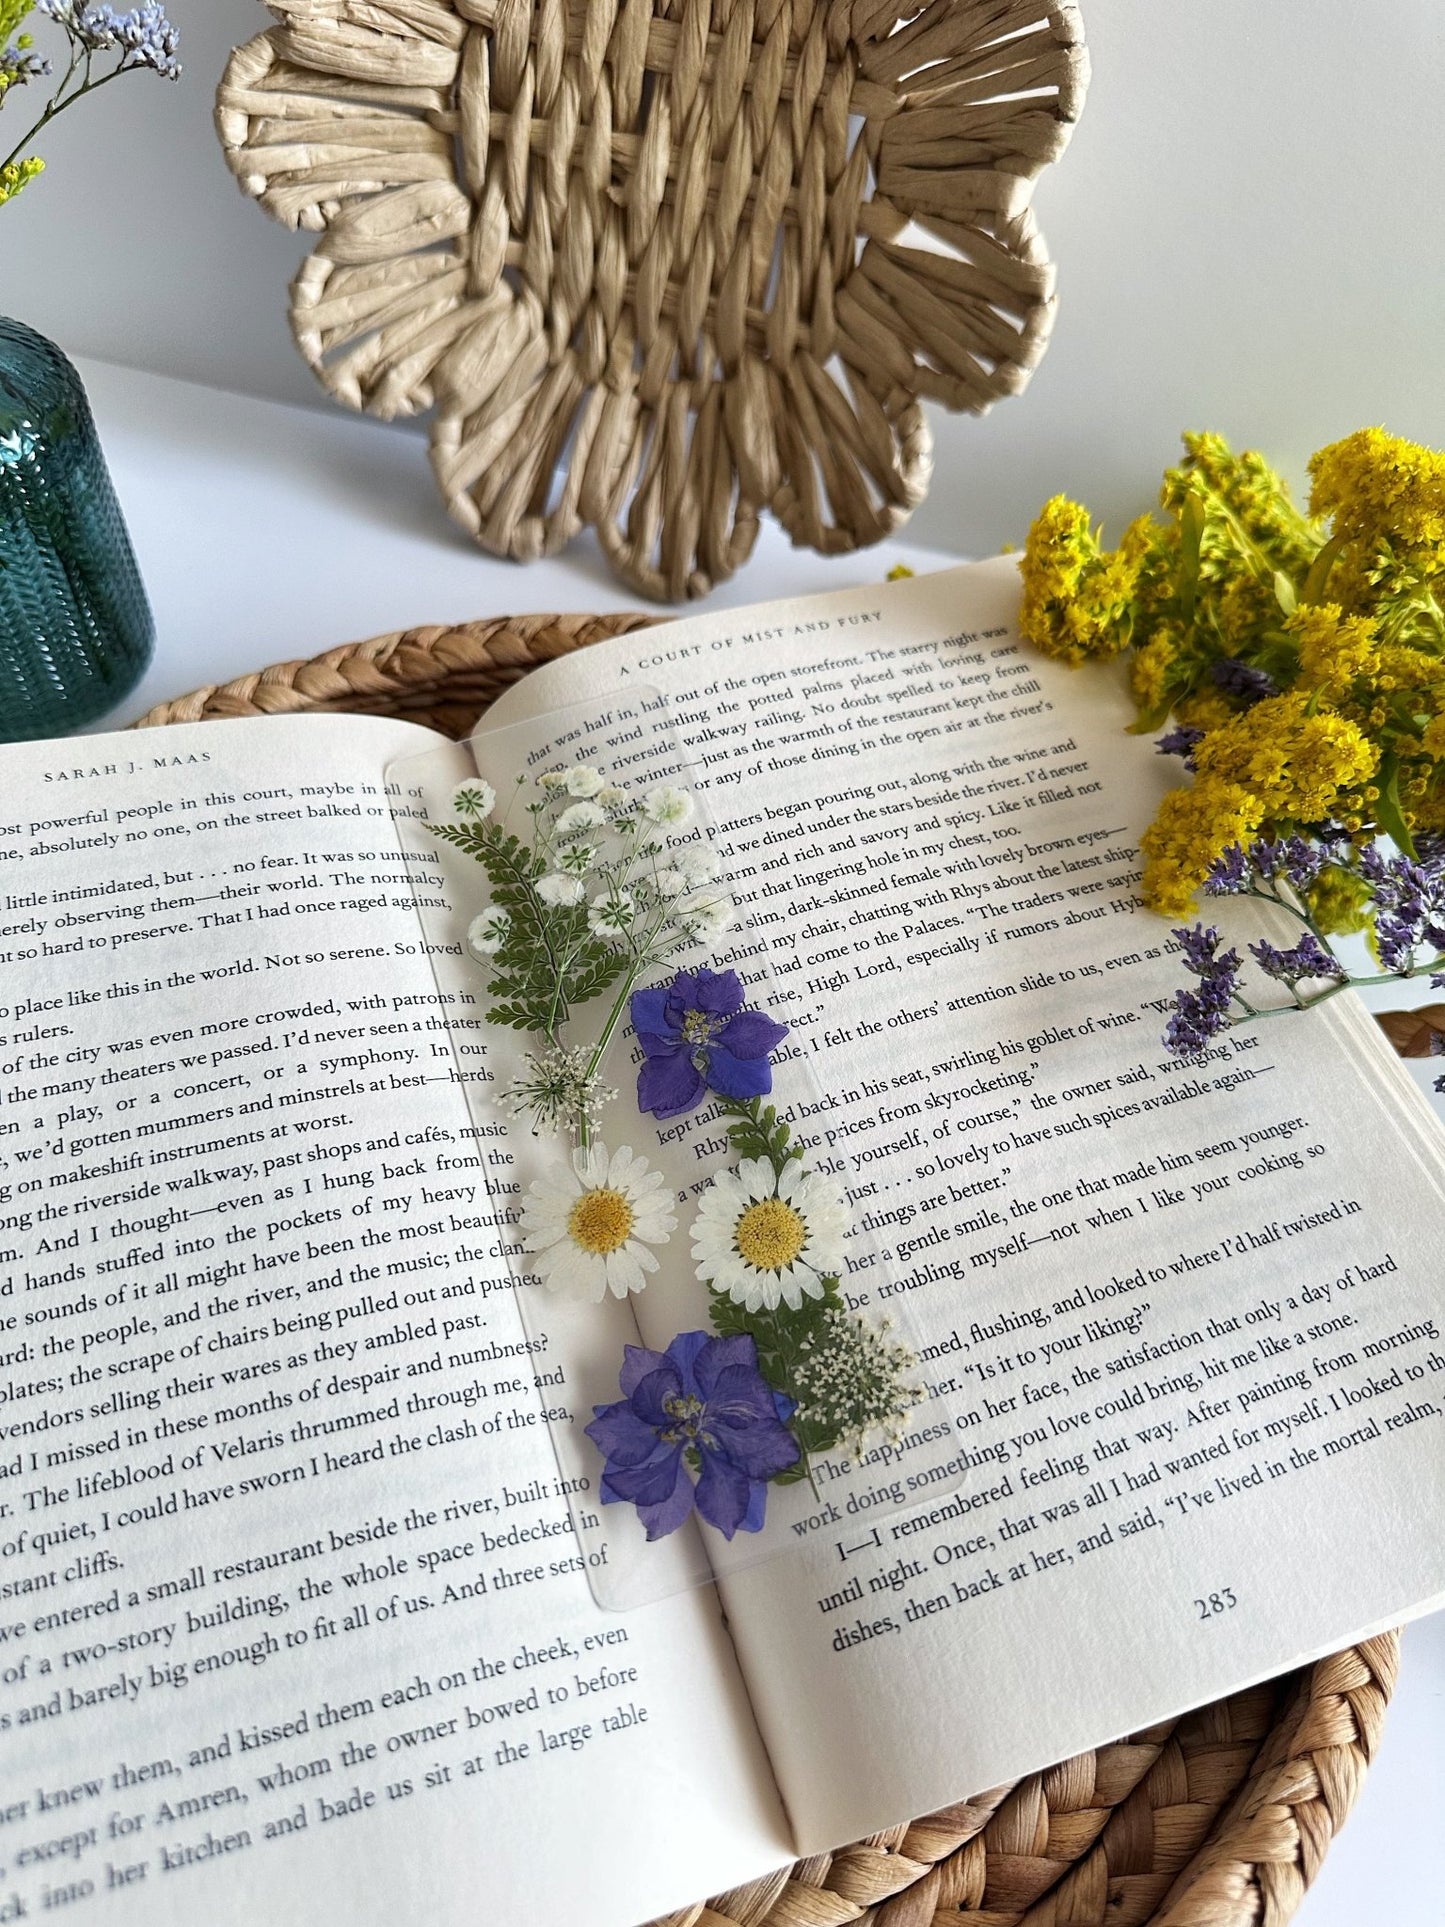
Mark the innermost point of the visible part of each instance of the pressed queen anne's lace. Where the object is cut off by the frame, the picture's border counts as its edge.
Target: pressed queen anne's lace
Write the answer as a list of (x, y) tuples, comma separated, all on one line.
[(853, 1379)]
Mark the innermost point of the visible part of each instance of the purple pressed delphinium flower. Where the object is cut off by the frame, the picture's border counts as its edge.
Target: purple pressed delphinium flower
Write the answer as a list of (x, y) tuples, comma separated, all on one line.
[(1240, 680), (696, 1037), (1181, 741), (1308, 958), (1199, 1015), (700, 1410)]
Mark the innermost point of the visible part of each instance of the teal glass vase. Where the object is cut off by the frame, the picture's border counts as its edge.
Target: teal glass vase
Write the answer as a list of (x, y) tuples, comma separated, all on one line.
[(75, 627)]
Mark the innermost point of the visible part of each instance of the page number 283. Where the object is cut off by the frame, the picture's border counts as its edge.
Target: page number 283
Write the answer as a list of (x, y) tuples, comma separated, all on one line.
[(1216, 1603)]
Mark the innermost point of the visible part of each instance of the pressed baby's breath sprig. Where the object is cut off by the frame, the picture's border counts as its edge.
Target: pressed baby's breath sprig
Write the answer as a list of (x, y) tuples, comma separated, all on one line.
[(604, 885)]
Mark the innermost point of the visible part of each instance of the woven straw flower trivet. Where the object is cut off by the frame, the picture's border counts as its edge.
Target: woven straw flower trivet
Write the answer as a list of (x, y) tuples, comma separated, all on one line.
[(1218, 1819), (659, 265)]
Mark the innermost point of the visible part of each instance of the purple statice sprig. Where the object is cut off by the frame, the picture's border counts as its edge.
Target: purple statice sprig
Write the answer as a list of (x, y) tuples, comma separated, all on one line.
[(1294, 860), (1307, 959), (1181, 741), (1409, 906), (696, 1036), (1241, 680), (1198, 1016), (142, 36), (698, 1428)]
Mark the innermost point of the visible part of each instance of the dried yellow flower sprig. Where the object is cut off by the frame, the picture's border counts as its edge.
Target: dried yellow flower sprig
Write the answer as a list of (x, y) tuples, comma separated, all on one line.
[(1302, 654)]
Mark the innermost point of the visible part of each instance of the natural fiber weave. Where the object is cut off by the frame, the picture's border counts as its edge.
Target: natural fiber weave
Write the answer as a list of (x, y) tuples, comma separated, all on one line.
[(659, 265), (1218, 1819)]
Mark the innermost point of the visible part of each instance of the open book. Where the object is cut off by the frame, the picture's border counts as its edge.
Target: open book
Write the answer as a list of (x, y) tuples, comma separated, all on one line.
[(294, 1626)]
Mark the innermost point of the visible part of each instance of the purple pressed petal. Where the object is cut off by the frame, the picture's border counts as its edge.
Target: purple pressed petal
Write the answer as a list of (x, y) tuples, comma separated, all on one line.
[(666, 1515), (722, 1353), (680, 997), (647, 1009), (719, 993), (751, 1034), (684, 1352), (620, 1435), (752, 1519), (667, 1086), (651, 1395), (661, 1043), (762, 1448), (637, 1362), (723, 1494), (649, 1484), (738, 1077)]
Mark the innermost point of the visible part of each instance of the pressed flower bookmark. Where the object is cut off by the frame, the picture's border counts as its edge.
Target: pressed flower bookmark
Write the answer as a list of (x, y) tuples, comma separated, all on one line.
[(694, 1297)]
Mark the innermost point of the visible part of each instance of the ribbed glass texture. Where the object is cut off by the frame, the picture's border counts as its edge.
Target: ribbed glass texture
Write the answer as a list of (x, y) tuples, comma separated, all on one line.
[(75, 627)]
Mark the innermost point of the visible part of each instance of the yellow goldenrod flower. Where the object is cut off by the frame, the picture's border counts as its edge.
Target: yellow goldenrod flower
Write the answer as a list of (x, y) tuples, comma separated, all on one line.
[(1078, 596), (1338, 902), (16, 175), (1191, 829), (1380, 489), (1300, 765), (1334, 648)]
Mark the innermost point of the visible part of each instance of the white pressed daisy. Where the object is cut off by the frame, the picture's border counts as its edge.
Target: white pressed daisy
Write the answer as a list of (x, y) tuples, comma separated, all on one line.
[(487, 933), (476, 798), (769, 1237), (611, 917), (553, 888), (580, 817), (582, 780), (669, 807), (589, 1228)]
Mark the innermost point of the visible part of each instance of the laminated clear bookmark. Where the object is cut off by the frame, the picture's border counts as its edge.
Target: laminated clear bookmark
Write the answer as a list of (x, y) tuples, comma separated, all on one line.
[(654, 1167)]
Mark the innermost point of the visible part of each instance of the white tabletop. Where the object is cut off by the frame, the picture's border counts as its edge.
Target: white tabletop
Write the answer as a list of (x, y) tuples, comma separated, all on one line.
[(265, 531)]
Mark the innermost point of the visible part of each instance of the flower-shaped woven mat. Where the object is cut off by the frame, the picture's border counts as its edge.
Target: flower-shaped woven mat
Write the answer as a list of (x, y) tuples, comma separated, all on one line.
[(1218, 1819), (658, 265)]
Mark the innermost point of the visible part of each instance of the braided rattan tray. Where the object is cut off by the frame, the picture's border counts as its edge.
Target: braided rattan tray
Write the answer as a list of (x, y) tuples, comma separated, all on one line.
[(1218, 1819)]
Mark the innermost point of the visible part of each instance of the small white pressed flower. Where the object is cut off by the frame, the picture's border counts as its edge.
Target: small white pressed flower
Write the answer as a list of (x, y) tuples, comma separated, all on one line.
[(613, 798), (698, 862), (582, 780), (552, 779), (580, 817), (574, 862), (557, 1090), (668, 806), (487, 933), (589, 1229), (670, 883), (474, 799), (611, 917), (854, 1379), (704, 913), (553, 888), (769, 1237)]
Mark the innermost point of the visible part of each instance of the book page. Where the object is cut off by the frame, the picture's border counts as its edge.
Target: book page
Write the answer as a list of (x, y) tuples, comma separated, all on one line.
[(1183, 1316), (293, 1625)]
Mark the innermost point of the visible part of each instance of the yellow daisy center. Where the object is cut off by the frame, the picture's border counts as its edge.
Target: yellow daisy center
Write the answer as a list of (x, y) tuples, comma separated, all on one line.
[(601, 1221), (770, 1234)]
